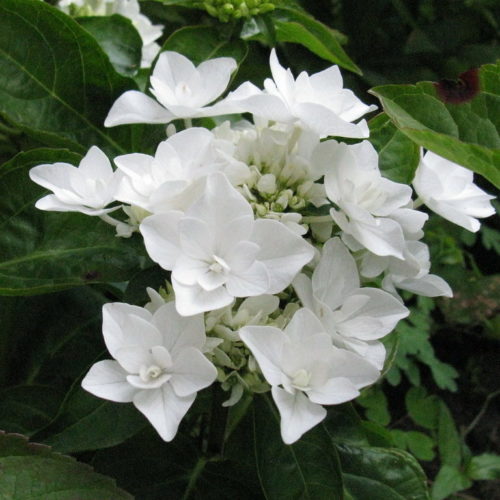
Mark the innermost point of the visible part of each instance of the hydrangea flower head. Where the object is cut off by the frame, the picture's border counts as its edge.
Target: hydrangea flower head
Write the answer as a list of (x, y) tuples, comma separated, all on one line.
[(305, 371), (317, 102), (181, 91), (355, 317), (449, 190), (158, 364), (88, 188), (217, 251)]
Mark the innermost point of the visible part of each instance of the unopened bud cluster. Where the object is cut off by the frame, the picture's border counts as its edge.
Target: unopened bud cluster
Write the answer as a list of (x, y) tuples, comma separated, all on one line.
[(225, 10)]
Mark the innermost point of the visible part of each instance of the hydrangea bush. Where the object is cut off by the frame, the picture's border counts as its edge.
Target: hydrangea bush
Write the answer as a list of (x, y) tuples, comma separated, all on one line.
[(277, 256)]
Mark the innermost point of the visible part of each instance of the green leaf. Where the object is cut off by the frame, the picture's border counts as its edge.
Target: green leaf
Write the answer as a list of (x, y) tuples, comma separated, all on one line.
[(152, 469), (449, 444), (423, 409), (85, 422), (199, 43), (344, 426), (375, 403), (55, 80), (398, 156), (449, 480), (30, 470), (41, 251), (485, 466), (296, 26), (118, 38), (490, 238), (381, 474), (55, 351), (421, 445), (311, 464), (466, 133), (27, 408)]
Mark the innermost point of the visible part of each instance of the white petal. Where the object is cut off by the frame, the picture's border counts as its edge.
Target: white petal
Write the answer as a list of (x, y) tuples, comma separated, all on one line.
[(163, 408), (107, 380), (429, 285), (115, 318), (325, 122), (191, 372), (95, 164), (383, 236), (303, 325), (283, 252), (334, 391), (53, 204), (298, 414), (215, 73), (249, 282), (136, 107), (133, 357), (161, 238), (179, 332), (267, 106), (350, 365), (336, 275), (303, 288), (196, 239), (266, 344), (190, 300), (377, 315), (220, 205)]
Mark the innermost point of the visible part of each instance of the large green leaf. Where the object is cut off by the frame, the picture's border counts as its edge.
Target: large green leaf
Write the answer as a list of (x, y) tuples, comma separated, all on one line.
[(295, 26), (85, 423), (381, 474), (53, 352), (467, 133), (45, 251), (27, 408), (55, 80), (30, 470), (199, 43), (311, 464), (398, 155), (119, 39), (152, 469)]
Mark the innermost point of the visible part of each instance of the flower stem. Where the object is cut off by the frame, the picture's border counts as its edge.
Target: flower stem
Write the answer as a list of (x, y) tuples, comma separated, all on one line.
[(417, 203), (188, 123), (218, 421), (110, 220), (316, 218)]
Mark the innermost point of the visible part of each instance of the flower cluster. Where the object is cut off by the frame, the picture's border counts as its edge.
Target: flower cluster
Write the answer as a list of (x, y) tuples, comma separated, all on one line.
[(225, 10), (286, 248)]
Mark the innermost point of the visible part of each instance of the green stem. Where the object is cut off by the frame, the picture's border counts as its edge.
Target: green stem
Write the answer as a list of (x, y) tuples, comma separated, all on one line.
[(316, 218), (218, 422), (188, 123), (198, 469)]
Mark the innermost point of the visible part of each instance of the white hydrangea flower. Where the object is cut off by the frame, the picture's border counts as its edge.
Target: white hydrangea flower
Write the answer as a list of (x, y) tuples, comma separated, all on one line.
[(181, 91), (130, 9), (411, 273), (354, 317), (217, 251), (317, 102), (88, 188), (168, 181), (148, 31), (449, 190), (305, 371), (159, 364), (369, 205)]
